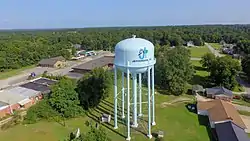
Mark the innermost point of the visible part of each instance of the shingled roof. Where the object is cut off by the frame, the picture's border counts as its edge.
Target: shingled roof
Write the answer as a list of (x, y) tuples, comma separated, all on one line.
[(220, 110), (96, 63), (219, 91), (51, 61)]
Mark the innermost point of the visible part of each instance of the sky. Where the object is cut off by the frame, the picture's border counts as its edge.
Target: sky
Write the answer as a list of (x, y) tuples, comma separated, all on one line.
[(38, 14)]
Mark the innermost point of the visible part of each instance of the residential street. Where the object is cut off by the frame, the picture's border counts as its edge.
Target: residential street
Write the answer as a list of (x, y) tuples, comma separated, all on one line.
[(215, 52)]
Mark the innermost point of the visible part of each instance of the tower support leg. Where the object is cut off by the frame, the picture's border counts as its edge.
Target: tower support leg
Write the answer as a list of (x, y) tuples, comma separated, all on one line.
[(135, 124), (123, 94), (153, 96), (115, 99), (140, 96), (128, 107), (149, 106)]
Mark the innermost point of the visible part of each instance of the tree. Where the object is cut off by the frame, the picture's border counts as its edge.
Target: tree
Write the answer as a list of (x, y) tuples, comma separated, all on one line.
[(245, 63), (64, 99), (96, 134), (173, 69), (207, 60), (94, 87), (224, 70)]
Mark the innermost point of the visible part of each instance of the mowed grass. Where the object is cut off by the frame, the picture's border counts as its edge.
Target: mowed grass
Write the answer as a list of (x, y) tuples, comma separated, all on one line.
[(216, 46), (9, 73), (176, 121), (198, 52)]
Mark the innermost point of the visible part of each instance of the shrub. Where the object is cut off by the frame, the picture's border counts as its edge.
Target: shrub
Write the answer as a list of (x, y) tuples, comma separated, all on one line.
[(41, 110)]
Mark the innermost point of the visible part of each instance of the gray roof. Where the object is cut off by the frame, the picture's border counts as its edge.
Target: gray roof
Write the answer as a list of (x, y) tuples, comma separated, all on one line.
[(51, 61), (44, 81), (219, 91), (25, 92), (36, 87), (10, 98), (99, 62), (228, 131)]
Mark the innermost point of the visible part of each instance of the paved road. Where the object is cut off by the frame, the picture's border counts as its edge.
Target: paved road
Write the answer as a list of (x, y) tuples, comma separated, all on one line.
[(215, 52)]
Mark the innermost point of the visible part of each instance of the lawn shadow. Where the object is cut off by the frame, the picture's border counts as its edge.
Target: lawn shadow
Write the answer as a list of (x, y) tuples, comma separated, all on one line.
[(204, 121), (109, 126), (199, 68)]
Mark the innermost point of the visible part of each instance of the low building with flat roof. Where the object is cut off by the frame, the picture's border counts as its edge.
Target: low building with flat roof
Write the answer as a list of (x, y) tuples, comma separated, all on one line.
[(56, 62), (44, 81), (44, 89), (96, 63)]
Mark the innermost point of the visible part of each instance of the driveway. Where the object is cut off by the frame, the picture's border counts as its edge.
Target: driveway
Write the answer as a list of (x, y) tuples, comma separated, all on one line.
[(242, 107), (246, 120)]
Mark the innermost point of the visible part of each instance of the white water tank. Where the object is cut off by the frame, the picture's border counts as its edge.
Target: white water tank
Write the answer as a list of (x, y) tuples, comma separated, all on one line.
[(137, 54)]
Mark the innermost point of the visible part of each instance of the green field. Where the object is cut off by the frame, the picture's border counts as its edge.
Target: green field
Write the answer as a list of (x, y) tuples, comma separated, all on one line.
[(9, 73), (176, 121), (216, 46), (198, 52)]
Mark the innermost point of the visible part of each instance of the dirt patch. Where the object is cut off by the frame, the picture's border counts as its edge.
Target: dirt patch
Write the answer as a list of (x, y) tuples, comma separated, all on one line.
[(175, 101)]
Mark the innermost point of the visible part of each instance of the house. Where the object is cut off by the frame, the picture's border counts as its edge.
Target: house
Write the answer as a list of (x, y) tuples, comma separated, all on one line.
[(229, 131), (219, 93), (224, 118), (56, 62), (190, 44), (96, 63)]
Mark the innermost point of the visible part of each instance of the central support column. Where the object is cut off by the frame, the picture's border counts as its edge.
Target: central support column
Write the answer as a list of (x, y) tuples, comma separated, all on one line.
[(135, 124), (115, 99), (153, 96), (140, 96), (128, 106), (123, 94), (149, 106)]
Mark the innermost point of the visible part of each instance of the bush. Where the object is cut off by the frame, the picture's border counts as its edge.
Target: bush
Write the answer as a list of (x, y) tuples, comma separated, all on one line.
[(41, 110)]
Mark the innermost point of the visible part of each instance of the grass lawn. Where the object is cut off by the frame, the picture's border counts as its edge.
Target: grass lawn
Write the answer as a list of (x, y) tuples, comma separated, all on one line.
[(9, 73), (241, 102), (238, 88), (216, 46), (176, 121), (246, 113), (200, 73), (198, 52)]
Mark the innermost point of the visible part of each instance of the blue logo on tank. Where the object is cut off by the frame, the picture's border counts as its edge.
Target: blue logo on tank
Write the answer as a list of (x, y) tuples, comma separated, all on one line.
[(143, 53)]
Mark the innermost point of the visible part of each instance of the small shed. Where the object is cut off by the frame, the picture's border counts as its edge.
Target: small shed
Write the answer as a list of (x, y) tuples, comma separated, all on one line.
[(55, 62)]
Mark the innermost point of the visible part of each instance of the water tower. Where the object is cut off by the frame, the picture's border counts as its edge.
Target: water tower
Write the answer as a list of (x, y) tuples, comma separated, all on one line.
[(135, 56)]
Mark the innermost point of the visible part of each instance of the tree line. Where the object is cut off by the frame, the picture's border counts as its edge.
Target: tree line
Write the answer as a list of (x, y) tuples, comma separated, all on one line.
[(23, 48)]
